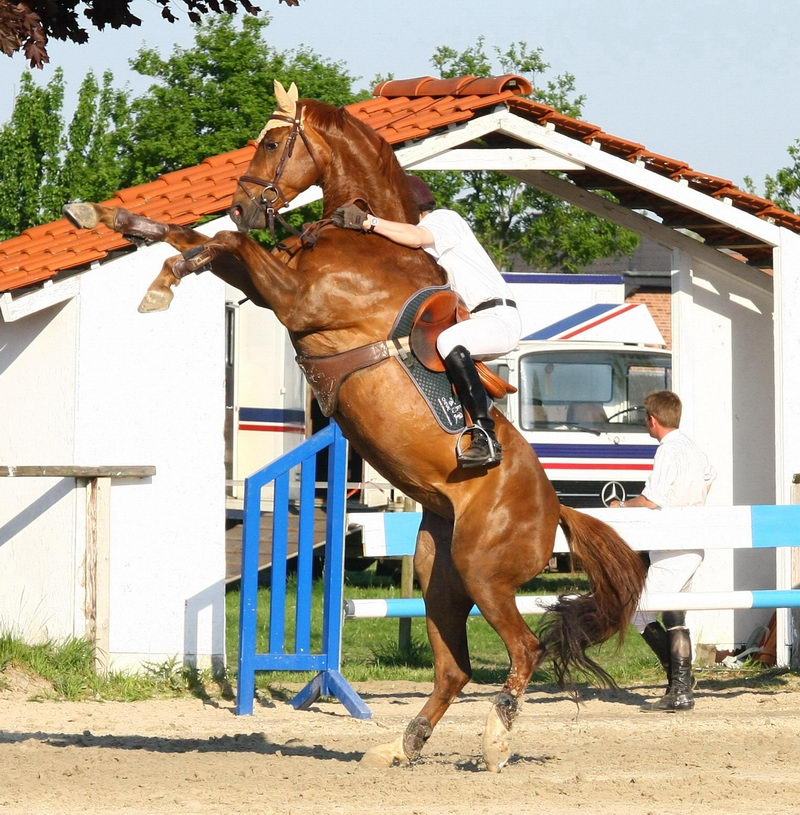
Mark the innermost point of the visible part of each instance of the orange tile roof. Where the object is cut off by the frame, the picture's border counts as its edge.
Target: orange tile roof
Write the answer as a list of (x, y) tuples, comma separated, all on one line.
[(402, 109)]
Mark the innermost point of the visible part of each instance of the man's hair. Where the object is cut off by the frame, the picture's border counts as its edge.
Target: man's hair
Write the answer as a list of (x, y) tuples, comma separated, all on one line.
[(421, 192), (665, 406)]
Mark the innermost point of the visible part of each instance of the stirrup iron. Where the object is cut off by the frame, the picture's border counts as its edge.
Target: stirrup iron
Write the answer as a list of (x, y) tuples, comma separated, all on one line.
[(494, 454)]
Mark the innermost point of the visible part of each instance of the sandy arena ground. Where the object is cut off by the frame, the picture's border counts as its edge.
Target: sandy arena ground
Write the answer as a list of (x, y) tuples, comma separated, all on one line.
[(738, 752)]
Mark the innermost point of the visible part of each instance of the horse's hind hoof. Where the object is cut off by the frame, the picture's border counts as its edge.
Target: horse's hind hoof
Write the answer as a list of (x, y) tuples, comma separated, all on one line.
[(385, 755), (155, 301), (496, 743), (82, 215)]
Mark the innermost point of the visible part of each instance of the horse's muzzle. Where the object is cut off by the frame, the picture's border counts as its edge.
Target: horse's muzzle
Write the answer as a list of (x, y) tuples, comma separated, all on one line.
[(237, 215)]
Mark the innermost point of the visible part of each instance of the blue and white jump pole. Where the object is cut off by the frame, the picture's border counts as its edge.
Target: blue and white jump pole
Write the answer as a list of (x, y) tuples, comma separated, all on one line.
[(742, 527)]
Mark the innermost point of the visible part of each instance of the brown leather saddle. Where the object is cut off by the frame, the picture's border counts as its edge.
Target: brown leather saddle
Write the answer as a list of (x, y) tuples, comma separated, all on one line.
[(440, 311)]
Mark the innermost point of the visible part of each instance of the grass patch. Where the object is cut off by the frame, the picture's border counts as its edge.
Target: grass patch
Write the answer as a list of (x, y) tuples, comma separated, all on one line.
[(68, 671), (370, 653)]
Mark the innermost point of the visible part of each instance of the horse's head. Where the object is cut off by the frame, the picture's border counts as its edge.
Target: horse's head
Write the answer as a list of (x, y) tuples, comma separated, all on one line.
[(290, 157)]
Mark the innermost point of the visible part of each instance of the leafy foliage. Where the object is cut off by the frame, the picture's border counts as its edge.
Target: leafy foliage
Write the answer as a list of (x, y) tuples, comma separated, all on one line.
[(205, 100), (97, 140), (517, 224), (784, 187), (26, 26), (21, 29), (215, 96), (44, 165), (30, 148)]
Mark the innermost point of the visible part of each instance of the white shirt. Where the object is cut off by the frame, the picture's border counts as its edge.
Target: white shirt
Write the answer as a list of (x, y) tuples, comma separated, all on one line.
[(682, 473), (470, 270)]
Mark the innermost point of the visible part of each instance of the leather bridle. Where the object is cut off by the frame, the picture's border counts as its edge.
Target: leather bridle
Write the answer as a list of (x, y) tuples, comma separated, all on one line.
[(273, 186)]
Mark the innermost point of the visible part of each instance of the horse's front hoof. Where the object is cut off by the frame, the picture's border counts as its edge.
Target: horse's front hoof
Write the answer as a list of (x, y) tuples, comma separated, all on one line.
[(82, 215), (496, 743), (385, 755), (155, 301)]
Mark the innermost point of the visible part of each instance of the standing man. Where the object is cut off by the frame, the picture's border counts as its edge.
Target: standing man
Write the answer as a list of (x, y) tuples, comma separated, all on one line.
[(681, 477), (494, 327)]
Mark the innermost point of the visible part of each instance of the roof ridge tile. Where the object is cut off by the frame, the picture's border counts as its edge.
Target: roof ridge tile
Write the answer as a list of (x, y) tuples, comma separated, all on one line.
[(400, 87)]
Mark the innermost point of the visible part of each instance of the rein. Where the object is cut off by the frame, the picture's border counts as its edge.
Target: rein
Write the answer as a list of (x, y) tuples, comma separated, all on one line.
[(308, 236)]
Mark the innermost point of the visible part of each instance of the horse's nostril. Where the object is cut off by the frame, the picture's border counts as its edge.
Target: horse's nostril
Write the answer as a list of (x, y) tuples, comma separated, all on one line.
[(236, 213)]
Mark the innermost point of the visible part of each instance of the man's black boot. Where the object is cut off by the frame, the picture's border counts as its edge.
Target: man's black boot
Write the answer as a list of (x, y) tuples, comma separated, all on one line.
[(485, 450), (679, 695)]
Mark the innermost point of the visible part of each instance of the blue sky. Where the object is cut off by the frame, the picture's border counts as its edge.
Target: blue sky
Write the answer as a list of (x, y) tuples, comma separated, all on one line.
[(711, 82)]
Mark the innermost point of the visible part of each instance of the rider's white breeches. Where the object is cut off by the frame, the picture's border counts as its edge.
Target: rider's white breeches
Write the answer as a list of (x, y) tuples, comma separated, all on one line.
[(486, 335)]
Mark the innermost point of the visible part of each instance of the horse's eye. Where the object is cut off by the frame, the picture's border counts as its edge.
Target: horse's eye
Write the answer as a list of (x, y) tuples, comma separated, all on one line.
[(270, 145)]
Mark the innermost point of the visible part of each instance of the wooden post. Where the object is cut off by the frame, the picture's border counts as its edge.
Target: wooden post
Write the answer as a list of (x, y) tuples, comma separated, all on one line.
[(97, 567), (406, 589), (97, 553)]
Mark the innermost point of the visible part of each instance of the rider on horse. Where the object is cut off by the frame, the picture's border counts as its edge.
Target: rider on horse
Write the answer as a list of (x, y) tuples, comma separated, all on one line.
[(494, 326)]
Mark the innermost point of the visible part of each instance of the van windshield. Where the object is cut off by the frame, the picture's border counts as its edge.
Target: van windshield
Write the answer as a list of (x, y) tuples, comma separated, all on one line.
[(596, 391)]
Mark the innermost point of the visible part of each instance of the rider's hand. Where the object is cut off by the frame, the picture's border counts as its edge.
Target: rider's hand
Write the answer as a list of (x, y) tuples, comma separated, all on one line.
[(349, 217)]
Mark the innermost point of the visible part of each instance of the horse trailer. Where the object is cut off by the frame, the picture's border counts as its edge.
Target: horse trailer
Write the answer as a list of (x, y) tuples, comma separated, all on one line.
[(587, 360)]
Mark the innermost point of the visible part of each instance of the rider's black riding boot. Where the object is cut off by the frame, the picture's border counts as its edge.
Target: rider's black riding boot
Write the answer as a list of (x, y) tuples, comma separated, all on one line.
[(485, 450), (679, 694), (655, 635)]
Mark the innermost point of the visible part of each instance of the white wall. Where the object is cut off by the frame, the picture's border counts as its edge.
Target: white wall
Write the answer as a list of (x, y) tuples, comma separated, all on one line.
[(787, 398), (41, 548), (723, 371), (150, 391)]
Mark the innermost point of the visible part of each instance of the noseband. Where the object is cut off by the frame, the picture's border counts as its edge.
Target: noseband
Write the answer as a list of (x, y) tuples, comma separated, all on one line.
[(273, 185)]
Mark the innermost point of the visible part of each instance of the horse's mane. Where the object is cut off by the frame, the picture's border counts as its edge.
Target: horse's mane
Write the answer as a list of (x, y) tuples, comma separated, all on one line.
[(338, 120)]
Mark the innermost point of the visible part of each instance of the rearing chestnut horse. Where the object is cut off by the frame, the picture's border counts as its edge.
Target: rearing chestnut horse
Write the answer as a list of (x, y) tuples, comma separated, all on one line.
[(484, 532)]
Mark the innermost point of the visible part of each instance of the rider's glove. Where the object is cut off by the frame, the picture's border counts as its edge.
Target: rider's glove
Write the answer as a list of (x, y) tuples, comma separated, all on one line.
[(349, 217)]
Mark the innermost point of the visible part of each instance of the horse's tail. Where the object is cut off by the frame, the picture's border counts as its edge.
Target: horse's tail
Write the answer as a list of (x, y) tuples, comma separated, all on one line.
[(617, 576)]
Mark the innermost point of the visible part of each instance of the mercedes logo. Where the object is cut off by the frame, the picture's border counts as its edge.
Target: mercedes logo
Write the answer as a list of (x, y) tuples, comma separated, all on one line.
[(612, 491)]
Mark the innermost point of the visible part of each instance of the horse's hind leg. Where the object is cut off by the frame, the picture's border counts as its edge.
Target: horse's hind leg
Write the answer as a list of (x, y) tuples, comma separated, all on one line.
[(506, 560), (447, 607), (525, 653)]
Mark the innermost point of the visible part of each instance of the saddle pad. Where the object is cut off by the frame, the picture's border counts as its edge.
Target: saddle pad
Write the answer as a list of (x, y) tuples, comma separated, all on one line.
[(435, 386)]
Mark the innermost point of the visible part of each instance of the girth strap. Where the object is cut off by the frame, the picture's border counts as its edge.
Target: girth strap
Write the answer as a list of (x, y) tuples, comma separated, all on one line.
[(325, 375)]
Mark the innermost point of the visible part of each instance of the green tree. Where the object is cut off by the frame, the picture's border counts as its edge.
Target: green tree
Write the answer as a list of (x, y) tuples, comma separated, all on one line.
[(218, 94), (205, 100), (517, 224), (43, 164), (784, 187), (30, 155), (97, 139)]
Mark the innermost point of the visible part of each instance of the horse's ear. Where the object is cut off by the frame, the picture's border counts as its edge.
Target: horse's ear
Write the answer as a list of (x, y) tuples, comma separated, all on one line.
[(287, 105), (287, 100)]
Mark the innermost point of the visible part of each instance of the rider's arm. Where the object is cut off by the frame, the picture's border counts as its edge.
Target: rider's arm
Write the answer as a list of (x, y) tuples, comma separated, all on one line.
[(404, 234), (639, 501)]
